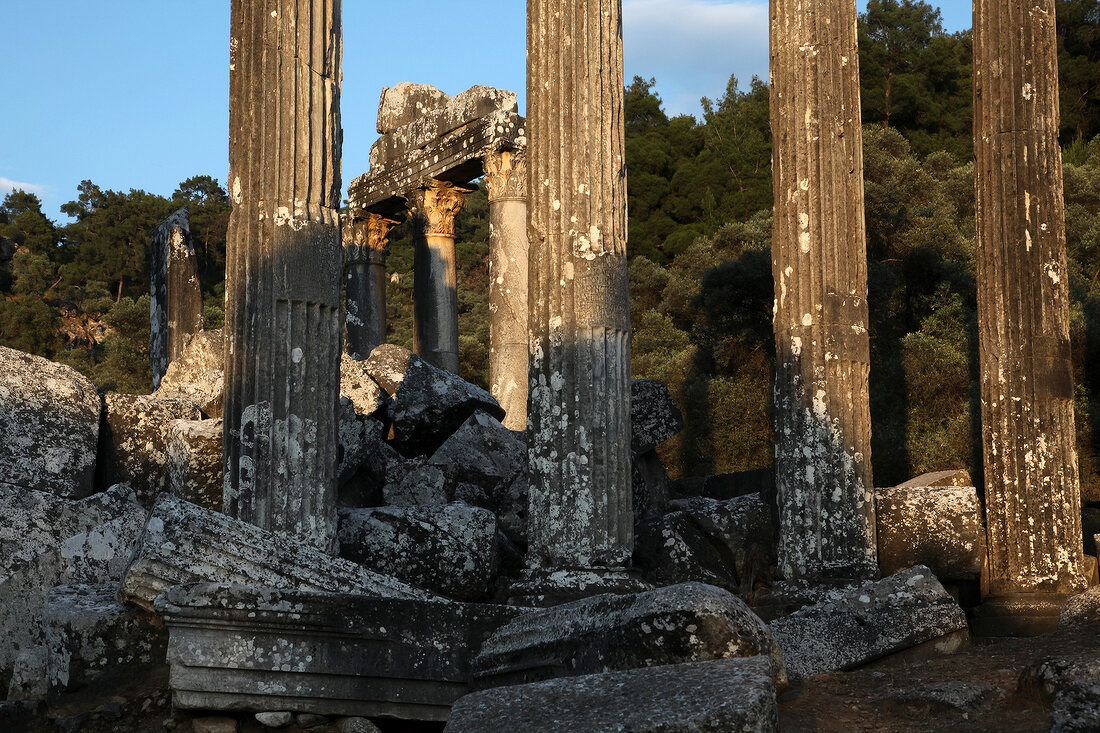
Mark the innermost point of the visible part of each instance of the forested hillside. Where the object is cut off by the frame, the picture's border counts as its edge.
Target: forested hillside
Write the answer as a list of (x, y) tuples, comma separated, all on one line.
[(700, 228)]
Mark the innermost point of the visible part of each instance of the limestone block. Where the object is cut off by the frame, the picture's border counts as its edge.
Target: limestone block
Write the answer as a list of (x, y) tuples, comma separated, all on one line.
[(954, 477), (482, 452), (93, 639), (184, 543), (650, 485), (449, 549), (49, 426), (195, 465), (730, 544), (1077, 708), (1050, 676), (415, 483), (854, 626), (356, 384), (199, 374), (690, 622), (937, 526), (719, 695), (654, 415), (1082, 610), (402, 103), (136, 440), (359, 436), (257, 649)]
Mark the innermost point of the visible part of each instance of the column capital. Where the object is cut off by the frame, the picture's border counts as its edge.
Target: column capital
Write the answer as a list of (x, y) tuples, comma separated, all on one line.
[(366, 239), (439, 202), (505, 174)]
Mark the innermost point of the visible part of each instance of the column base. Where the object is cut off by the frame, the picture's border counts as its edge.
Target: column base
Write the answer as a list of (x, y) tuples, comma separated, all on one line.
[(543, 587), (1018, 614)]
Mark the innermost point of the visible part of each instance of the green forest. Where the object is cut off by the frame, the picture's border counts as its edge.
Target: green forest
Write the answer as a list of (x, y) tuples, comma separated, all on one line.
[(700, 198)]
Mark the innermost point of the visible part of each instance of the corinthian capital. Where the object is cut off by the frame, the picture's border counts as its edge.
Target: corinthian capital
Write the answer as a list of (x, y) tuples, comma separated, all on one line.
[(365, 240), (439, 202), (505, 174)]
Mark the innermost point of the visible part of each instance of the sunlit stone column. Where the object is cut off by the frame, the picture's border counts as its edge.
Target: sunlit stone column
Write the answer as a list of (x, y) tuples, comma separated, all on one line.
[(283, 267), (175, 302), (506, 181), (1033, 495), (365, 243), (819, 261)]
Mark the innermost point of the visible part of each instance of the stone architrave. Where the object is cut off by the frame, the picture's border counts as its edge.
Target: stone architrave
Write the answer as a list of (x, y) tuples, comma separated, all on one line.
[(175, 298), (365, 243), (435, 281), (581, 517), (283, 268), (823, 421), (1033, 495), (506, 183)]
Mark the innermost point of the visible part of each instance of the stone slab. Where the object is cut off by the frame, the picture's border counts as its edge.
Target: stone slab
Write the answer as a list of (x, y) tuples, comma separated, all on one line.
[(194, 461), (939, 527), (953, 477)]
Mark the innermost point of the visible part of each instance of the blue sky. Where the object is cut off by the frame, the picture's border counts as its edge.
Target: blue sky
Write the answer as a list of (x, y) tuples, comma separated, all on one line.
[(133, 93)]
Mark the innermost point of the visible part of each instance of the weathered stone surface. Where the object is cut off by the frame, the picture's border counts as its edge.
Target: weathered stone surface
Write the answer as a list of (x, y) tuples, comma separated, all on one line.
[(93, 639), (965, 697), (1077, 708), (1047, 678), (819, 263), (365, 241), (415, 483), (859, 625), (359, 435), (49, 426), (198, 373), (936, 526), (1082, 610), (184, 543), (195, 466), (275, 720), (136, 441), (284, 268), (650, 486), (730, 544), (956, 477), (405, 102), (481, 452), (257, 649), (654, 415), (356, 384), (720, 695), (448, 549), (690, 622), (214, 724), (357, 725), (175, 302)]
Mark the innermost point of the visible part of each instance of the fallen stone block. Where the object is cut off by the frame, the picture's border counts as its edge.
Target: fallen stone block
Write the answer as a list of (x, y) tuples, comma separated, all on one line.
[(939, 527), (650, 486), (953, 477), (1077, 708), (49, 426), (1048, 677), (699, 697), (357, 436), (136, 440), (449, 549), (481, 452), (93, 640), (366, 395), (198, 375), (195, 467), (414, 482), (854, 626), (1082, 610), (965, 697), (184, 543), (690, 622), (254, 649), (654, 415)]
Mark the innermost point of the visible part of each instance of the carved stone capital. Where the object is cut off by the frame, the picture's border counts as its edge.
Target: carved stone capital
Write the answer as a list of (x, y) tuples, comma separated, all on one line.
[(505, 174), (365, 240), (439, 202)]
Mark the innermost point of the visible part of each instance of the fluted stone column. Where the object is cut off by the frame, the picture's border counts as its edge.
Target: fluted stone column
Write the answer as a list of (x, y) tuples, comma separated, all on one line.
[(435, 283), (283, 267), (506, 181), (1033, 496), (819, 261), (175, 302), (580, 518), (365, 243)]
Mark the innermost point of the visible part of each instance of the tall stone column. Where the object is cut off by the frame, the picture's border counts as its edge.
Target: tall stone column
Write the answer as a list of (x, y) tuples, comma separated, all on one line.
[(365, 243), (435, 283), (506, 181), (1033, 495), (175, 302), (283, 268), (819, 261), (580, 519)]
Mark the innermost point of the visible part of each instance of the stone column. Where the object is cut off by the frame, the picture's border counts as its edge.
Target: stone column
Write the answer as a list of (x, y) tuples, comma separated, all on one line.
[(175, 302), (283, 268), (580, 520), (365, 243), (819, 261), (506, 181), (1033, 496), (435, 286)]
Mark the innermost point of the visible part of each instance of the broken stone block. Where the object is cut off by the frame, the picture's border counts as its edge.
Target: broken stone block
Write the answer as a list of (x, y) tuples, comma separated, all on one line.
[(654, 415), (698, 697), (1077, 708), (939, 527), (481, 452), (730, 544), (1048, 677), (365, 487), (358, 435), (854, 626), (257, 649), (429, 403), (49, 426), (415, 483), (136, 440), (94, 640), (650, 487), (184, 543), (448, 549), (954, 477), (356, 384), (403, 103), (195, 461), (1082, 610), (198, 375), (690, 622), (965, 697)]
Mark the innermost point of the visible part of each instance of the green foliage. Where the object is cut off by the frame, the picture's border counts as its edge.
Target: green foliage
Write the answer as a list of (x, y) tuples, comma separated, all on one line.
[(1079, 68)]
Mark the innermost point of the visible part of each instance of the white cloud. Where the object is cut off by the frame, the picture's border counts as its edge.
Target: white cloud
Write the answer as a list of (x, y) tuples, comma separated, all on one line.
[(7, 186), (692, 46)]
